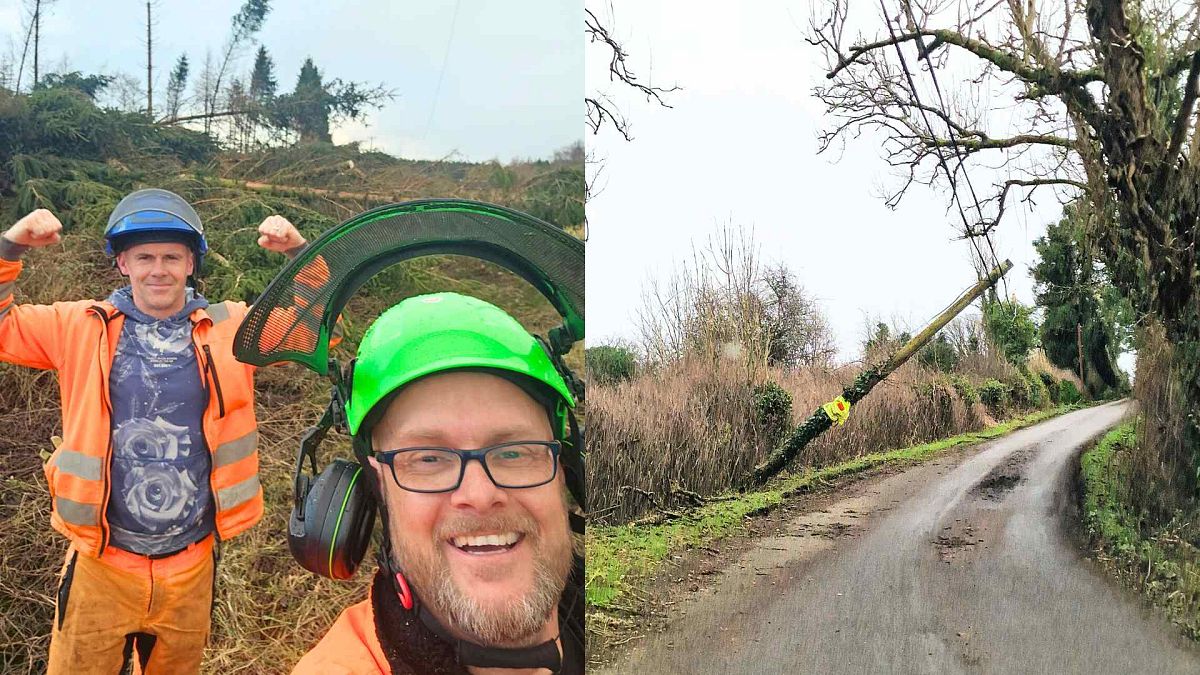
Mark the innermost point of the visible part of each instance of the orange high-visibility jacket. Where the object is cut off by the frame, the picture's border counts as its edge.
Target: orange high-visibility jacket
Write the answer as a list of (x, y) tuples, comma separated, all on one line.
[(351, 647), (79, 339)]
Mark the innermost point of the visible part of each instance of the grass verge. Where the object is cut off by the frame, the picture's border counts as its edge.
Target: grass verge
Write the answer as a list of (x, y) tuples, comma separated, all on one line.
[(619, 556), (1160, 563)]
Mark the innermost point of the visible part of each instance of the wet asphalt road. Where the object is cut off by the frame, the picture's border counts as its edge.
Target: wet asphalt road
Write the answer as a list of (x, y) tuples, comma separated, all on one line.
[(969, 567)]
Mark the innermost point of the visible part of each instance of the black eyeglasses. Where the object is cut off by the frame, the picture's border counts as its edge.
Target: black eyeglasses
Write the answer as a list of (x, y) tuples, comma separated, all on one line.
[(516, 464)]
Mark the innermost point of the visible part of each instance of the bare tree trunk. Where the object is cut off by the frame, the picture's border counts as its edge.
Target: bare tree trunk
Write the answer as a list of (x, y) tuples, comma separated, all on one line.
[(37, 18), (149, 65), (24, 53), (207, 117)]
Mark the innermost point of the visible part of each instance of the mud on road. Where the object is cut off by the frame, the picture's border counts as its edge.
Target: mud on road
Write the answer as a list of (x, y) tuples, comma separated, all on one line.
[(965, 564)]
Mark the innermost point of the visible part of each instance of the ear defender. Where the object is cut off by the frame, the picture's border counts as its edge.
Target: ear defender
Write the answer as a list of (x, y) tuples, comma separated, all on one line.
[(329, 536), (334, 514)]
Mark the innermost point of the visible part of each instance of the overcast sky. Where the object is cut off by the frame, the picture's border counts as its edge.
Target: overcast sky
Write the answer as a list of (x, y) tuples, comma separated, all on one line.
[(739, 146), (511, 85)]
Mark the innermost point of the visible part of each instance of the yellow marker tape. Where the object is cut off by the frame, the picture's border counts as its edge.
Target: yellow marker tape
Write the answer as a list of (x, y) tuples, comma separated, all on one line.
[(838, 410)]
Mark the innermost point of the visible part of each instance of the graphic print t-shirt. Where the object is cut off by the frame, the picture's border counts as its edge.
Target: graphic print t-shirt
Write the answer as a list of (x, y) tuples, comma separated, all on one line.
[(160, 499)]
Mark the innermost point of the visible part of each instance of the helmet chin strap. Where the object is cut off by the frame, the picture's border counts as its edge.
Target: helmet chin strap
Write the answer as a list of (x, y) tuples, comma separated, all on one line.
[(544, 655)]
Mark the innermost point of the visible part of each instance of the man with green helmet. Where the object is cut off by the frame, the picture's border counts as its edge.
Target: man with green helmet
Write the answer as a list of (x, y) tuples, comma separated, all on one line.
[(462, 423)]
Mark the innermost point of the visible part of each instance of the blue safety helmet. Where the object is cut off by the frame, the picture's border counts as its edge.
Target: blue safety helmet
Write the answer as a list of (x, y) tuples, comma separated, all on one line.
[(154, 215)]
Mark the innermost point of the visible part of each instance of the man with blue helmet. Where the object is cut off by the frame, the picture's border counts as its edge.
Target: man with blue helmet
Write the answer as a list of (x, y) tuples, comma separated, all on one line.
[(159, 459)]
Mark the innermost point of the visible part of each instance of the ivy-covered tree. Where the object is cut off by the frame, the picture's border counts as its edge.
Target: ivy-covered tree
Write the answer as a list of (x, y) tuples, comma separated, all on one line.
[(1094, 100)]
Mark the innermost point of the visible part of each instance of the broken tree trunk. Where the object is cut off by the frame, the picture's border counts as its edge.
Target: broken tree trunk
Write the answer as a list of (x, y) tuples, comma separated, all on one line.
[(819, 421)]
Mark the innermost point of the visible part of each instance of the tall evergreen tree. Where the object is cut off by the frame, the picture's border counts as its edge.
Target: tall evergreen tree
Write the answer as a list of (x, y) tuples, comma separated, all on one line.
[(260, 97), (262, 78), (176, 85), (1069, 287), (310, 105)]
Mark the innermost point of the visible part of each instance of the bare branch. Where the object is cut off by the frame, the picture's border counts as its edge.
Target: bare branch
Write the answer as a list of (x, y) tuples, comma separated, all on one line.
[(600, 107), (1000, 143), (1055, 82)]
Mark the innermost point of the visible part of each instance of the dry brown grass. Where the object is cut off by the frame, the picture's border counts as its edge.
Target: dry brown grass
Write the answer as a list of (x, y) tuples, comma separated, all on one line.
[(690, 427), (1038, 363)]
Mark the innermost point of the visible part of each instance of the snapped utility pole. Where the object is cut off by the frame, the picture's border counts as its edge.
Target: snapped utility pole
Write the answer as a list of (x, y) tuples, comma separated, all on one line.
[(819, 421)]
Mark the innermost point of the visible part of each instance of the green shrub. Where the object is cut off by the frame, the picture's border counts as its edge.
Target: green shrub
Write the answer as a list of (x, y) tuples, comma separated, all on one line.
[(1039, 396), (773, 412), (1018, 392), (1011, 327), (609, 364), (994, 395), (501, 177), (966, 390), (1067, 393), (1051, 386)]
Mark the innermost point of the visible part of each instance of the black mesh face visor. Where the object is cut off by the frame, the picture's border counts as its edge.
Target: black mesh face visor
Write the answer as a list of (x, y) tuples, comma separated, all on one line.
[(295, 315)]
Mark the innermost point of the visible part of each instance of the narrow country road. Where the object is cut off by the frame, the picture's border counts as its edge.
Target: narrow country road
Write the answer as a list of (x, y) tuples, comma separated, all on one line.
[(963, 565)]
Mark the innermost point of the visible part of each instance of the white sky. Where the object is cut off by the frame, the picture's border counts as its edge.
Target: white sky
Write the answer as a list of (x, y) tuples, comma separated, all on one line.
[(511, 88), (740, 146)]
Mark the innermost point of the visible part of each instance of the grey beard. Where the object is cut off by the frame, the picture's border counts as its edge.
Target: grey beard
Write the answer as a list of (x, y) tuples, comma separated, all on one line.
[(516, 624)]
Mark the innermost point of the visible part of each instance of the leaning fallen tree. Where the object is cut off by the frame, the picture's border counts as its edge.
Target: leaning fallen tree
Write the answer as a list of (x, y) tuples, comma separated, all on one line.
[(838, 409)]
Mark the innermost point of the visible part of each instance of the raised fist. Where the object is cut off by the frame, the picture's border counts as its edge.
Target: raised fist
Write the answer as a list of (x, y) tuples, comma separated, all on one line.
[(279, 235), (39, 228)]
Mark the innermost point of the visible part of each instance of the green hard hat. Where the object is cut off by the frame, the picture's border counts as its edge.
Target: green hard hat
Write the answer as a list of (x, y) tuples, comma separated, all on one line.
[(432, 333)]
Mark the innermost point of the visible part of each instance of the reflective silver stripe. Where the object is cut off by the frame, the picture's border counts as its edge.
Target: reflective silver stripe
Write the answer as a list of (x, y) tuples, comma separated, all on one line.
[(6, 288), (79, 464), (237, 494), (4, 310), (237, 449), (218, 312), (77, 513)]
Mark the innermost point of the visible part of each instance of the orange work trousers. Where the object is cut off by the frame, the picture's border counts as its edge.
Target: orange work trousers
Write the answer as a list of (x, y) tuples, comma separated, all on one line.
[(126, 608)]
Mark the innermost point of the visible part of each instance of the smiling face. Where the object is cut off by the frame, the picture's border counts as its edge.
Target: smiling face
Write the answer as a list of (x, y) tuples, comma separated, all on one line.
[(158, 273), (490, 563)]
